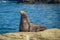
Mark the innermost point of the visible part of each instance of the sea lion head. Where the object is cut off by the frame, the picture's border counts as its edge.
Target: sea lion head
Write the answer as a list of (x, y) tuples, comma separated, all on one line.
[(23, 14)]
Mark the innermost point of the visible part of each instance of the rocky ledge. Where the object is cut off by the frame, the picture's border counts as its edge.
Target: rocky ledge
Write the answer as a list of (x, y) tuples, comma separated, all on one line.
[(49, 34)]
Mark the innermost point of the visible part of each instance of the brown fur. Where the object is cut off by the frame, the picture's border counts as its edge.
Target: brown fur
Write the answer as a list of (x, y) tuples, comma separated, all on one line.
[(26, 26)]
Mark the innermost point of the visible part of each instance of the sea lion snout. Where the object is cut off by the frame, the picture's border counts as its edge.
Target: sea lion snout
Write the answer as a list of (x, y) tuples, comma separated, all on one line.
[(22, 12)]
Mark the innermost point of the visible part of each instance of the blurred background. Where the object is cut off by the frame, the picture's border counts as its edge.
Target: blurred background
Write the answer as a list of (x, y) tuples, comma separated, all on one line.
[(44, 14), (35, 1)]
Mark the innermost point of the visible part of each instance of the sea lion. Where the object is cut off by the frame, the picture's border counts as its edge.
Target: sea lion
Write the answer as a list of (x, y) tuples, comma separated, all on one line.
[(26, 26), (24, 23)]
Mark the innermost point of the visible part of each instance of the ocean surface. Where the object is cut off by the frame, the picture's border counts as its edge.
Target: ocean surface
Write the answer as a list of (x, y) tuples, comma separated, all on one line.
[(47, 15)]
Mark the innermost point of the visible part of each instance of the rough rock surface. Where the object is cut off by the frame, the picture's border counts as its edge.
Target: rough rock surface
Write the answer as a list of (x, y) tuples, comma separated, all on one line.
[(49, 34)]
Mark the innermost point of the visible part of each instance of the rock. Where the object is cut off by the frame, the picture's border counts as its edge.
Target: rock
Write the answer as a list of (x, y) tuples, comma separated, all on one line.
[(49, 34)]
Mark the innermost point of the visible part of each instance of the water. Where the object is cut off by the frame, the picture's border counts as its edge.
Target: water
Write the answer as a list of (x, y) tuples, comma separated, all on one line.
[(47, 15)]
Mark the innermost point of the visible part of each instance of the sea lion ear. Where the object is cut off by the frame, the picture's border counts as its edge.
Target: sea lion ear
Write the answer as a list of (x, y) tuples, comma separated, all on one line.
[(22, 12)]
